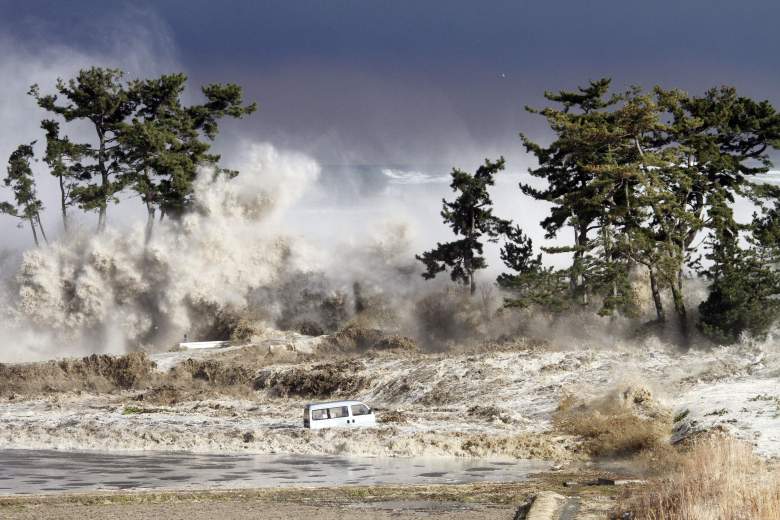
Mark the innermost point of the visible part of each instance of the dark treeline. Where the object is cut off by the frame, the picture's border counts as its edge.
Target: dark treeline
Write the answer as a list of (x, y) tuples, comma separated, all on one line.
[(647, 182), (145, 139)]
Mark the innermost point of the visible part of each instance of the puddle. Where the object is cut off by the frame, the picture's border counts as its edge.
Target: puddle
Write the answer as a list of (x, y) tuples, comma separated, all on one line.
[(33, 471)]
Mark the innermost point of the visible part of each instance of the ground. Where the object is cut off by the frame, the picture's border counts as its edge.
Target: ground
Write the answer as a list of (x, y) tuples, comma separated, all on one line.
[(455, 502), (519, 399)]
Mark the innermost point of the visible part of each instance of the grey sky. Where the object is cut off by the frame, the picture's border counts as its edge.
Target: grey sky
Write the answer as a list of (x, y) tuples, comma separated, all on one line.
[(412, 81), (394, 82)]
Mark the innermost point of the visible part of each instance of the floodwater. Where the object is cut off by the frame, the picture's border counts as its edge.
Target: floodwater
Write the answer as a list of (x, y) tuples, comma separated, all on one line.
[(32, 471)]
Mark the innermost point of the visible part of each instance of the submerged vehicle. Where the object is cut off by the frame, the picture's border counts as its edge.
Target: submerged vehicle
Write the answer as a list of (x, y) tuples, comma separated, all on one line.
[(336, 414)]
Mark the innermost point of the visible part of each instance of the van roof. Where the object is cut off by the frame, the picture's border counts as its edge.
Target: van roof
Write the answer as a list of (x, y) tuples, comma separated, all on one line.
[(332, 403)]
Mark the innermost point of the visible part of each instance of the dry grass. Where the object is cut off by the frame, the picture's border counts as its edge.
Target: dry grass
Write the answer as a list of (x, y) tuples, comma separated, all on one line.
[(620, 424), (95, 373), (135, 371), (718, 478), (506, 343), (613, 434), (166, 395)]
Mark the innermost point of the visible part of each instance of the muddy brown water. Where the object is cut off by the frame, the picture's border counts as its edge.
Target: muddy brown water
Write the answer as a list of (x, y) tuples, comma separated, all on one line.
[(35, 472)]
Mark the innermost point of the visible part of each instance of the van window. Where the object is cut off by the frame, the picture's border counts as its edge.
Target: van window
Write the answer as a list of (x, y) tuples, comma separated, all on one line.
[(318, 415), (338, 411), (360, 409)]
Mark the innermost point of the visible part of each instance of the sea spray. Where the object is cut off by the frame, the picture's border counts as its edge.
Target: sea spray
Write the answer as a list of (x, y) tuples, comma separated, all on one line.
[(113, 292)]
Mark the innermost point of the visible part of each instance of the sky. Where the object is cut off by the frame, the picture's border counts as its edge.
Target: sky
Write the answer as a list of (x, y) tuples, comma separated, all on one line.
[(410, 83), (421, 81)]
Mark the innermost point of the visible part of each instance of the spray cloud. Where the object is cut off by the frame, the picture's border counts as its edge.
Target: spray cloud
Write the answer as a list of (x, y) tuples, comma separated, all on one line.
[(113, 292)]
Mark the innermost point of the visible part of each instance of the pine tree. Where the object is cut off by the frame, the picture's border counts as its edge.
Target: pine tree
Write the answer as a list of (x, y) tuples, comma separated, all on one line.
[(709, 147), (20, 179), (565, 166), (64, 161), (470, 216), (637, 176), (145, 138), (744, 291), (98, 97), (590, 189), (166, 142), (529, 282)]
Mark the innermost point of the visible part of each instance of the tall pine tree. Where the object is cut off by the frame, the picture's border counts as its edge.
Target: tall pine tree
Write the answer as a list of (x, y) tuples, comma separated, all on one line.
[(64, 160), (470, 216), (565, 166), (27, 206), (96, 96), (144, 137), (166, 142)]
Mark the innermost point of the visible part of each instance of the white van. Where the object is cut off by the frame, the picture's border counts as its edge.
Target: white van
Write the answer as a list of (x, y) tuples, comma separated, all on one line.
[(337, 413)]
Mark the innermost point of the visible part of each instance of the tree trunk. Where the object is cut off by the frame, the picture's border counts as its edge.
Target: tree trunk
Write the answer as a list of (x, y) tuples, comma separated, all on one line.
[(149, 222), (575, 262), (659, 306), (609, 256), (104, 182), (35, 234), (40, 226), (101, 219), (682, 315), (578, 279), (470, 258), (63, 205)]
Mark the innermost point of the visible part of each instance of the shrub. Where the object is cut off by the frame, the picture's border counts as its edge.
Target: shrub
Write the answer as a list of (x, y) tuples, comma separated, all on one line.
[(742, 298)]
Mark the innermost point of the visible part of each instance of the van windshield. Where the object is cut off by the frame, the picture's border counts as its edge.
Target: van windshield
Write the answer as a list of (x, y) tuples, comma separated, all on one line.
[(360, 409)]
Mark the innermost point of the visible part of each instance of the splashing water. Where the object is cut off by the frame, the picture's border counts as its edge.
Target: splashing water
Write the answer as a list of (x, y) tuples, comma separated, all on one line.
[(114, 292)]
